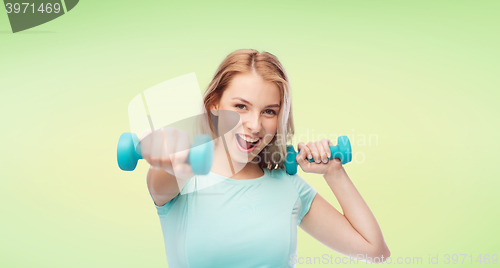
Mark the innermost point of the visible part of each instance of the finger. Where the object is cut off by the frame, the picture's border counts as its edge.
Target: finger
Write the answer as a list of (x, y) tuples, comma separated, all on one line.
[(325, 142), (169, 138), (146, 133), (302, 162), (330, 143), (322, 151), (165, 159), (146, 143), (303, 148), (183, 171), (314, 152), (182, 148), (301, 152), (157, 148)]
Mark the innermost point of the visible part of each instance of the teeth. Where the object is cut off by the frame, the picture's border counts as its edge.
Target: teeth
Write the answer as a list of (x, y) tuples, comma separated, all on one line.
[(248, 138)]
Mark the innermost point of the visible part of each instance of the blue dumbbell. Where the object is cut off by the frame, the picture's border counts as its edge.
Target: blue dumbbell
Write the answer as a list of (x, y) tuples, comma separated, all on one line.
[(342, 151), (200, 156)]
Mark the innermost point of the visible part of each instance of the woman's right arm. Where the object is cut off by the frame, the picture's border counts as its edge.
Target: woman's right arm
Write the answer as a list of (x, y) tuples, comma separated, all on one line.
[(166, 150), (161, 185)]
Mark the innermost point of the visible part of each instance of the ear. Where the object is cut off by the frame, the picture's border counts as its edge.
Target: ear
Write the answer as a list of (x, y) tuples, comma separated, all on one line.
[(214, 109)]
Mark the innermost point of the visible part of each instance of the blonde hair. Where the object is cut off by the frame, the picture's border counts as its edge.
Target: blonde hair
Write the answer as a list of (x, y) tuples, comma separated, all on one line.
[(267, 66)]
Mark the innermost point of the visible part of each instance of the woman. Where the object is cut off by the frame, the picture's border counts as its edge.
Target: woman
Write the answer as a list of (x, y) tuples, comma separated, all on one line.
[(245, 212)]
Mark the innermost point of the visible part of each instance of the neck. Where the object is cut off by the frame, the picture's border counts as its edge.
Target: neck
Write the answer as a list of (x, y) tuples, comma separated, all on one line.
[(225, 165)]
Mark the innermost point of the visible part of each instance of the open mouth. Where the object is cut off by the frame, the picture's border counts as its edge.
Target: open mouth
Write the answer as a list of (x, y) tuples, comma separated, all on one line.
[(246, 146)]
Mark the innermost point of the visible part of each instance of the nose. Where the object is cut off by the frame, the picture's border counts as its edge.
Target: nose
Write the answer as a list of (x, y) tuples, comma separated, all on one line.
[(253, 123)]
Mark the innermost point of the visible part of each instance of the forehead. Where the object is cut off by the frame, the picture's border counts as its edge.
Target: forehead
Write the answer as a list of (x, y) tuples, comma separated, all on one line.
[(253, 88)]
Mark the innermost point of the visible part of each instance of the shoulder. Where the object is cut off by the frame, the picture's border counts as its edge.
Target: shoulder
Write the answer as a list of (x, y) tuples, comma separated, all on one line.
[(296, 180), (299, 184)]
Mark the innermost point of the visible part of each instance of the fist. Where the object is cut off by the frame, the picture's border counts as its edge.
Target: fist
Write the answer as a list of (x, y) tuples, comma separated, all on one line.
[(320, 152), (167, 149)]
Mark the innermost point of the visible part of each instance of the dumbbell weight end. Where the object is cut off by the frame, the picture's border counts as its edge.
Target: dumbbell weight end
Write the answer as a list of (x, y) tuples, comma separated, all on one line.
[(126, 153)]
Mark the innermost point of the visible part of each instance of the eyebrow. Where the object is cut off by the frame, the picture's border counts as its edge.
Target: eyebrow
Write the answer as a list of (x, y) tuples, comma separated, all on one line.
[(247, 102)]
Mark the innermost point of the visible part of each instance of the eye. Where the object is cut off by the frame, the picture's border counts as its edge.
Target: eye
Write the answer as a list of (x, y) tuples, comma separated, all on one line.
[(272, 112), (238, 105)]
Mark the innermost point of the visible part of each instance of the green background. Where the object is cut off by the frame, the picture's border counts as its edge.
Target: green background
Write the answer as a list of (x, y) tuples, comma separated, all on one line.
[(420, 75)]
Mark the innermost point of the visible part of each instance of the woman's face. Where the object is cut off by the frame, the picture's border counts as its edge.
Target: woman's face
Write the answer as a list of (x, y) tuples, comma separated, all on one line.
[(258, 104)]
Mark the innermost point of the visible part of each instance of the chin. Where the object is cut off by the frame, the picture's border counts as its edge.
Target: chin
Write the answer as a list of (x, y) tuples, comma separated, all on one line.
[(237, 156)]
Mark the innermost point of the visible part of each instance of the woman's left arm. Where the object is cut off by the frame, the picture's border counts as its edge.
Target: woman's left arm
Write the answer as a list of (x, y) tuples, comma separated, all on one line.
[(355, 232)]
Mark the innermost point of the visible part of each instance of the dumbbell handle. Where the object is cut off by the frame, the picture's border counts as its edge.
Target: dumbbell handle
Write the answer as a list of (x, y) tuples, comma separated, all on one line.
[(128, 152), (334, 153), (342, 151)]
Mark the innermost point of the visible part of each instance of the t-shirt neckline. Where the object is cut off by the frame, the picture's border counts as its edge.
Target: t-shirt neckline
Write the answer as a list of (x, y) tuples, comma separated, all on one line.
[(247, 181)]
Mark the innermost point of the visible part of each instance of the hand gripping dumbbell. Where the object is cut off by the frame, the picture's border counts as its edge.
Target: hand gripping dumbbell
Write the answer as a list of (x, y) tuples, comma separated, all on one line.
[(200, 156), (342, 151)]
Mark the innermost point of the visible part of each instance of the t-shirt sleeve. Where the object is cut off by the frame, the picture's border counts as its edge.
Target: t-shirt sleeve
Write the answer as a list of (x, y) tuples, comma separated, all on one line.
[(306, 194), (163, 210)]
